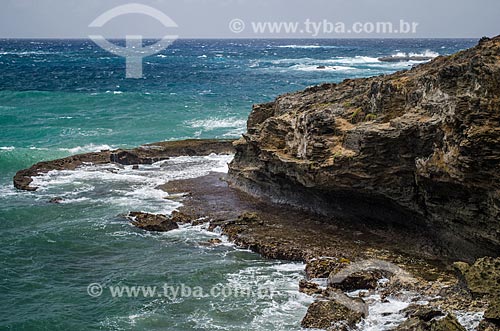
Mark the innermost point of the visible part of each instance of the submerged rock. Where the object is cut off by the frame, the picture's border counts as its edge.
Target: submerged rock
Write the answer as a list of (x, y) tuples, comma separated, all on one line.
[(419, 149), (152, 222), (56, 200), (211, 242)]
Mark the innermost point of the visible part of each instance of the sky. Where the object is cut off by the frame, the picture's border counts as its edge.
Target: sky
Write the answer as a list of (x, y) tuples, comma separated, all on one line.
[(239, 18)]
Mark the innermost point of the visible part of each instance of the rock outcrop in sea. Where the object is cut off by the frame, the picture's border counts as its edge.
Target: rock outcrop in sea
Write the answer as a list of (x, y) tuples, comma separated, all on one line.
[(418, 148)]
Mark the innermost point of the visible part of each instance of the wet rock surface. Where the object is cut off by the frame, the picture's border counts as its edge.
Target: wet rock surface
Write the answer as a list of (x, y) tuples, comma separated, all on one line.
[(330, 314), (428, 319), (322, 267), (360, 280), (309, 288), (152, 222), (146, 154), (328, 247)]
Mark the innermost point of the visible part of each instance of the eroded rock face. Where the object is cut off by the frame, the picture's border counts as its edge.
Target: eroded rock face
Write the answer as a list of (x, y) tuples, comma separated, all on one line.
[(420, 148)]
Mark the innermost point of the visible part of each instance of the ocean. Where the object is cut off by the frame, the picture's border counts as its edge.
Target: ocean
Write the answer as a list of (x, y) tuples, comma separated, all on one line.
[(63, 97)]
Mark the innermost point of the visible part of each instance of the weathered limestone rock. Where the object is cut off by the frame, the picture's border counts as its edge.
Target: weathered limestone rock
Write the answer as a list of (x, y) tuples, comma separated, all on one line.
[(418, 148), (327, 313), (482, 277), (429, 319), (152, 222)]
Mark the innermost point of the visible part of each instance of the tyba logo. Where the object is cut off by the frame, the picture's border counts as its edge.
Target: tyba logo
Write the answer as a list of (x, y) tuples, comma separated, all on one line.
[(133, 52)]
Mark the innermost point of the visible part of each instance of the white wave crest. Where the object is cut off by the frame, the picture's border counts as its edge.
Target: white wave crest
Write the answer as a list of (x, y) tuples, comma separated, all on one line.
[(217, 123), (123, 187), (426, 53), (303, 67), (87, 148), (308, 46)]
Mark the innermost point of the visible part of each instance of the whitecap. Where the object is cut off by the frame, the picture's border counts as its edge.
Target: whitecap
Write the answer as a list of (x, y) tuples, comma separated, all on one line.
[(280, 305), (383, 314), (217, 123), (87, 148), (355, 60), (22, 53), (426, 53), (308, 46), (124, 188), (304, 67)]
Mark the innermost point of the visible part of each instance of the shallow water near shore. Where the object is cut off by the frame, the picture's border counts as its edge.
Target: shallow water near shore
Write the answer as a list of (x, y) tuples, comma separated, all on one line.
[(64, 97)]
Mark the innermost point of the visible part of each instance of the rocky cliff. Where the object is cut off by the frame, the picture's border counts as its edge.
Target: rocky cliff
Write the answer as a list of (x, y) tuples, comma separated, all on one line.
[(419, 148)]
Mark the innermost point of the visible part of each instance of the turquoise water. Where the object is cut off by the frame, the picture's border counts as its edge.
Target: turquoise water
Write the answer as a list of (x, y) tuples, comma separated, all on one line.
[(64, 97)]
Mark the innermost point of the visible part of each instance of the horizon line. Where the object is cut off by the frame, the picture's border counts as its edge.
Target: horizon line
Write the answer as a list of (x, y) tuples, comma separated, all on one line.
[(244, 38)]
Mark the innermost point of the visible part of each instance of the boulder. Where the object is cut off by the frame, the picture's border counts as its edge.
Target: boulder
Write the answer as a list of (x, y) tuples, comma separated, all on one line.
[(133, 158), (249, 218), (180, 217), (152, 222), (322, 267), (362, 280), (421, 318), (482, 277), (492, 314), (309, 288), (328, 313)]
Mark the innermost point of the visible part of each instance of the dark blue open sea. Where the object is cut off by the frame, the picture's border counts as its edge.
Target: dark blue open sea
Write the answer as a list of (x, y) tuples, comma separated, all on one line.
[(62, 97)]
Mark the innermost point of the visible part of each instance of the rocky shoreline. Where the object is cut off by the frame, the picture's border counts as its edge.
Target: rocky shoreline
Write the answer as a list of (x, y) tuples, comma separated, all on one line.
[(418, 148), (385, 187), (145, 154), (328, 246)]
